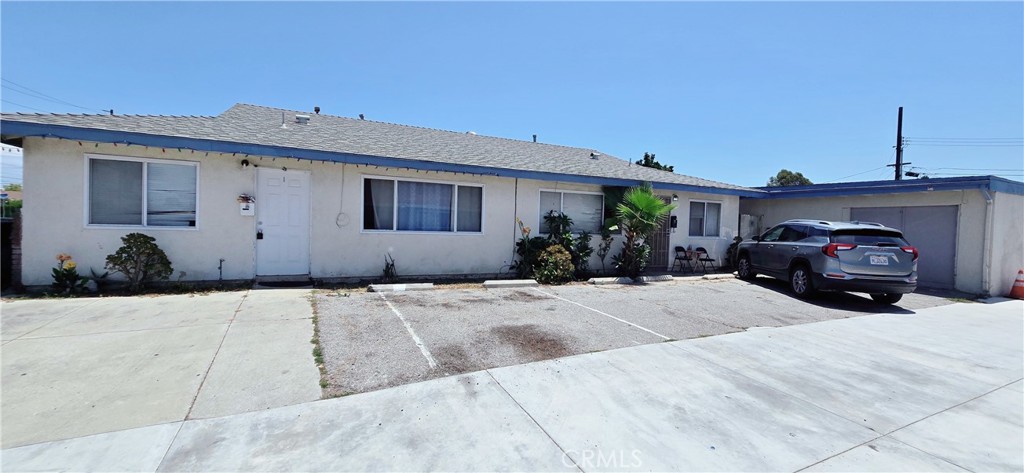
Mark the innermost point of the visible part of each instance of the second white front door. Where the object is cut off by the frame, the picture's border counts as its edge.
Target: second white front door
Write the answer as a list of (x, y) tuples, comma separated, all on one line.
[(282, 222)]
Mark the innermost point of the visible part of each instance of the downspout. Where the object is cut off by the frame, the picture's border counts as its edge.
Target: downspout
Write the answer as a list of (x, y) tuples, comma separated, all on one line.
[(515, 223), (986, 268)]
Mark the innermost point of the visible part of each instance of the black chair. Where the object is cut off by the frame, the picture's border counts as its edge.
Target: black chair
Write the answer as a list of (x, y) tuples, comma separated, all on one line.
[(683, 259), (704, 259)]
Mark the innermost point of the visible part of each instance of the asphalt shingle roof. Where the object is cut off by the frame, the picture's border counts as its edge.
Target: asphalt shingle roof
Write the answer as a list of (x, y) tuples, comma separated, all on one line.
[(253, 124)]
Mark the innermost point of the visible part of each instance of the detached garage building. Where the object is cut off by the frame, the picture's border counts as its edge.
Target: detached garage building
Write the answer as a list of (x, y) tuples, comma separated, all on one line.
[(969, 230)]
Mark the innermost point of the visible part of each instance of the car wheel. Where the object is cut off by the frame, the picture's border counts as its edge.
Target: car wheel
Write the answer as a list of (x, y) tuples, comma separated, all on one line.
[(800, 282), (887, 298), (743, 268)]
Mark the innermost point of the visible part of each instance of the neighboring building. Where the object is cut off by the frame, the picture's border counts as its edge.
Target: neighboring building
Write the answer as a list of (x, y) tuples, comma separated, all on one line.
[(332, 195), (10, 165), (969, 230)]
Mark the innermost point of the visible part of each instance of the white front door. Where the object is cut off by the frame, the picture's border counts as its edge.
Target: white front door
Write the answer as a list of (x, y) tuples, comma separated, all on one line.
[(282, 222)]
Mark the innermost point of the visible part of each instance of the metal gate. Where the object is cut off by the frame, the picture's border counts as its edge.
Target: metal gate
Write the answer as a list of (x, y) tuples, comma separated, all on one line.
[(659, 243), (932, 230)]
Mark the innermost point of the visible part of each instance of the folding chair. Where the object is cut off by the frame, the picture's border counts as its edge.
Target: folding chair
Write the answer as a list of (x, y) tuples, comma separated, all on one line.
[(704, 259), (683, 259)]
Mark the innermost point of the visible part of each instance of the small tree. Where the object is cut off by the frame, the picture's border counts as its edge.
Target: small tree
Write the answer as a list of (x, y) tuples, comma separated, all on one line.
[(640, 213), (12, 186), (786, 177), (140, 260), (648, 161)]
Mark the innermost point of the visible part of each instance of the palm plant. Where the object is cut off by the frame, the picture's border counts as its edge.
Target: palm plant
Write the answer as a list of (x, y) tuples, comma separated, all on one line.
[(640, 213)]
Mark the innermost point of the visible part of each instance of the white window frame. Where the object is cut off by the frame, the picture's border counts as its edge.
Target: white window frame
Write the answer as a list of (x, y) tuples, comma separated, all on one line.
[(542, 228), (394, 218), (704, 230), (145, 197)]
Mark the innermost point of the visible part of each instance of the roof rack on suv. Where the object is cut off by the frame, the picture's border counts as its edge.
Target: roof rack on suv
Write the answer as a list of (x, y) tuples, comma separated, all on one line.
[(868, 223), (805, 220)]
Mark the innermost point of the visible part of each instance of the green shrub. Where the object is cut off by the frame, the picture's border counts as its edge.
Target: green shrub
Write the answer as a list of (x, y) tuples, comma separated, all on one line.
[(528, 250), (140, 260), (554, 266)]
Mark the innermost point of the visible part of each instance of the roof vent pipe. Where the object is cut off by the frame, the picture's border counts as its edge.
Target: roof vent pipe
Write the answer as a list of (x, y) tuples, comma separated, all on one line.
[(361, 117), (534, 137), (316, 110)]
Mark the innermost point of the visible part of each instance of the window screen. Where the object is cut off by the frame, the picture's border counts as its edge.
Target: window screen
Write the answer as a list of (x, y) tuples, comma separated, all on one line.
[(470, 209), (115, 192), (585, 210), (705, 219), (170, 195), (378, 204), (424, 206)]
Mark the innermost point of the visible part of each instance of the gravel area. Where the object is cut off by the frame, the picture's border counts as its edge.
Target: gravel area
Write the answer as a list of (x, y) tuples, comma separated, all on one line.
[(371, 341)]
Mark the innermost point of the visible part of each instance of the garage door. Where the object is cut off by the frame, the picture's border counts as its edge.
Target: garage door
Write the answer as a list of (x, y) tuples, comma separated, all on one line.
[(931, 229)]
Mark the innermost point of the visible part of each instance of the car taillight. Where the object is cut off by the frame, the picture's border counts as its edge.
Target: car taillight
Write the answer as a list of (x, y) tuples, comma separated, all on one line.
[(831, 249), (911, 250)]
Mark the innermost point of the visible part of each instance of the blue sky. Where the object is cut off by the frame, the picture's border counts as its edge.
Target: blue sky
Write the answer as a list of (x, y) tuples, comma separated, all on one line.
[(726, 91)]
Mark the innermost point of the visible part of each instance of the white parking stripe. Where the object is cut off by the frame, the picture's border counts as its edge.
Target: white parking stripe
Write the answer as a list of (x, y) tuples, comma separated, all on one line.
[(604, 314), (412, 333)]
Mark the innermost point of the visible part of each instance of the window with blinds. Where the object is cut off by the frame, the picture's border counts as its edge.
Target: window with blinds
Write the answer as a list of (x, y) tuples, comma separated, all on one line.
[(137, 192)]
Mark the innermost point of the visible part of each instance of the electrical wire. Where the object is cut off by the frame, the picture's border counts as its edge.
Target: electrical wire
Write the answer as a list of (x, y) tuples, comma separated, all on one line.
[(865, 172), (22, 106), (14, 87)]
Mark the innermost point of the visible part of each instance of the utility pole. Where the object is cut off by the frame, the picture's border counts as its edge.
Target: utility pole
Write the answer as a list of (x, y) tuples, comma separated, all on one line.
[(899, 147)]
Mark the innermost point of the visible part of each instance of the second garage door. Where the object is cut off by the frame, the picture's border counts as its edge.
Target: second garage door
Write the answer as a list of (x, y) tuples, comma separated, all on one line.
[(931, 229)]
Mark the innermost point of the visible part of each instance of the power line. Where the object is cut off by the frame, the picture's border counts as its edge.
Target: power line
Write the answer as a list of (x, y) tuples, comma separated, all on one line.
[(864, 172), (23, 106), (963, 139), (975, 145), (43, 96)]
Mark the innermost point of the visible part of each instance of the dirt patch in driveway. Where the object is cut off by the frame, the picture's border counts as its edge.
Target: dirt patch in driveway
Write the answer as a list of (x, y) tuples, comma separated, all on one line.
[(532, 342)]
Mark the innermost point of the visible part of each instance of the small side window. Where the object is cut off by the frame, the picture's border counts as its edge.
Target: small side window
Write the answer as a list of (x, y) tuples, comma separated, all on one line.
[(773, 234), (816, 235), (793, 233)]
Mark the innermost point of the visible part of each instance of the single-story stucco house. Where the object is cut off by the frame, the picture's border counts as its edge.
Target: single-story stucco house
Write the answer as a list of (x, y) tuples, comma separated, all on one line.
[(969, 230), (331, 195)]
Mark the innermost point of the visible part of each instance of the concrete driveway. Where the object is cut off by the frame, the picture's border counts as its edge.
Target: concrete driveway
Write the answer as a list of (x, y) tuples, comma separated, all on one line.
[(374, 340), (935, 390), (75, 367)]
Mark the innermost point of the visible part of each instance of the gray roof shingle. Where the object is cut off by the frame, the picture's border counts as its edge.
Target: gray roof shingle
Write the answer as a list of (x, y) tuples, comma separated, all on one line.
[(259, 125)]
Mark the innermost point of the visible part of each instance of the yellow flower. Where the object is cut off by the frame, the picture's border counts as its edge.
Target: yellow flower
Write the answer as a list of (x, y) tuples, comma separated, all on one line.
[(63, 257), (70, 264)]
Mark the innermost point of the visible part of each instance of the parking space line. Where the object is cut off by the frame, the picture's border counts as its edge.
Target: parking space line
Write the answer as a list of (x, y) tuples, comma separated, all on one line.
[(412, 333), (604, 314)]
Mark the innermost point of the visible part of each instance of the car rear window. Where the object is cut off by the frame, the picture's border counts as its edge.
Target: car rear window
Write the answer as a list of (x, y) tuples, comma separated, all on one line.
[(869, 237)]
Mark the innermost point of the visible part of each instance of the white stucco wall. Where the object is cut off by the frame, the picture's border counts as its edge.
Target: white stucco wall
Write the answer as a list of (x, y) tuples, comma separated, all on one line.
[(54, 219), (1007, 241), (970, 245), (54, 215)]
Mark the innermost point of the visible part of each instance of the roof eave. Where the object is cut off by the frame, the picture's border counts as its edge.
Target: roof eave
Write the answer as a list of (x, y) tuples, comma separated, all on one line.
[(22, 129), (992, 183)]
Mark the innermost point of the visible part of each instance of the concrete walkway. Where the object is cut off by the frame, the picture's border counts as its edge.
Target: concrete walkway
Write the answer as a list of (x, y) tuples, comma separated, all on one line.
[(76, 367), (937, 390)]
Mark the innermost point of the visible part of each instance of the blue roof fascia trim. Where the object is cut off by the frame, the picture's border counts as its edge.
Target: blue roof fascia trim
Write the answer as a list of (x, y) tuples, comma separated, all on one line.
[(26, 129), (872, 190), (1007, 186)]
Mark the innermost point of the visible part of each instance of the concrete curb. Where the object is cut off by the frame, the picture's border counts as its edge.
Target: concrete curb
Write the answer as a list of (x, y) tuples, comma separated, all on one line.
[(606, 281), (509, 283), (426, 286), (719, 276), (661, 278)]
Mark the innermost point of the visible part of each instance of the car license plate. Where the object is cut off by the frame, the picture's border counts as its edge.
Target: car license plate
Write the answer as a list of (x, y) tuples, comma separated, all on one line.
[(880, 260)]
